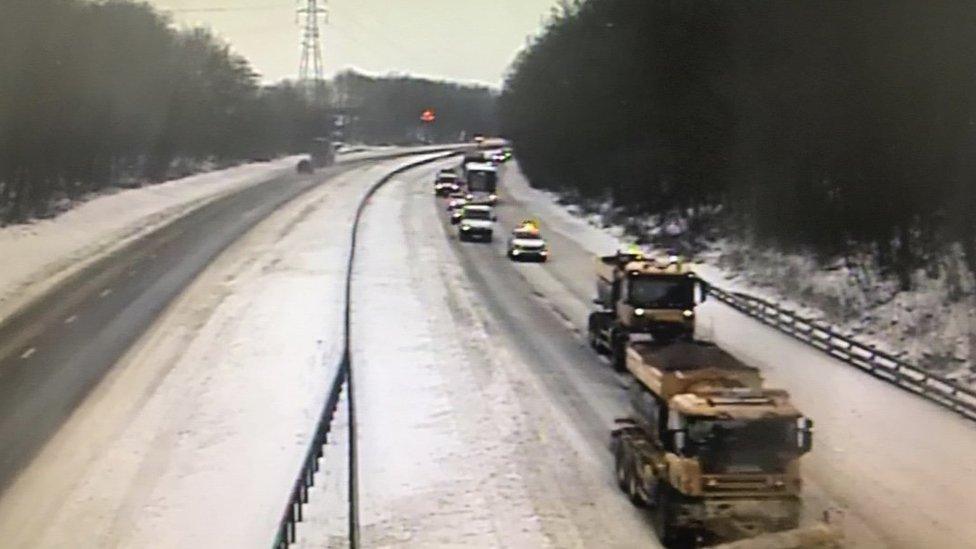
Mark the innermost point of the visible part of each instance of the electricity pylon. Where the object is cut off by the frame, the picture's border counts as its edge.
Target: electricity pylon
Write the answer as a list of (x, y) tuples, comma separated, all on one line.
[(310, 70)]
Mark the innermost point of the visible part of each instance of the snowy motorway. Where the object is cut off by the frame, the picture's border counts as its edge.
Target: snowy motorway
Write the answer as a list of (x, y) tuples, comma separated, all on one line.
[(483, 417), (133, 417)]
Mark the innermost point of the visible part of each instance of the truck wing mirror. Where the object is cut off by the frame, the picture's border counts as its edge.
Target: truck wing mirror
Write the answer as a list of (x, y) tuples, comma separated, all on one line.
[(680, 441), (804, 434), (704, 289)]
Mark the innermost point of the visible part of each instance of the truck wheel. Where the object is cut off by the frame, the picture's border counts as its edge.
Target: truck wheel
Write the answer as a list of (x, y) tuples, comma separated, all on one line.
[(635, 487), (621, 466), (618, 356), (592, 325), (594, 343), (636, 490)]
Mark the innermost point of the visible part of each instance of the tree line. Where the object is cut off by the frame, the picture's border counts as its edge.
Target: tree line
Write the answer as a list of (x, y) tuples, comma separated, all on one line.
[(827, 126), (97, 93), (387, 109)]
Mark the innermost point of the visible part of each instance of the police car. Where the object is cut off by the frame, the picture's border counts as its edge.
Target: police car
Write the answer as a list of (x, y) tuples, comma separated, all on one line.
[(526, 244)]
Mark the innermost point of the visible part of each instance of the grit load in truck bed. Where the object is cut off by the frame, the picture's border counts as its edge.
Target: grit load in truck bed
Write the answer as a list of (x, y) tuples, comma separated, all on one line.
[(709, 450)]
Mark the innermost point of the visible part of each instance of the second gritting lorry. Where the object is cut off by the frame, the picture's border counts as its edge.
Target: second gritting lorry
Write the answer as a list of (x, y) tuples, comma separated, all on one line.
[(712, 452), (638, 295)]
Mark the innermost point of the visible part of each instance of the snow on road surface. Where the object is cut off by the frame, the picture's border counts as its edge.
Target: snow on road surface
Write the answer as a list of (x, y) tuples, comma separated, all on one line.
[(38, 254), (194, 438), (899, 467), (458, 444), (196, 435)]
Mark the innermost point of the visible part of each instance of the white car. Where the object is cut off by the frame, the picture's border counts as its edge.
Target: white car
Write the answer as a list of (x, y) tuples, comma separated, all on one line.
[(527, 245), (476, 222)]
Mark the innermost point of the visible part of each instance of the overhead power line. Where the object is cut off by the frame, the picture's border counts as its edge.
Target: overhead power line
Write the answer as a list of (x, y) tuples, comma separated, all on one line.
[(219, 9)]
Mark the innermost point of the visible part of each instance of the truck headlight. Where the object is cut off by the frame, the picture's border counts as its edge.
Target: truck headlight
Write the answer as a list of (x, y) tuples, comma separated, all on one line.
[(515, 252), (688, 313), (543, 252), (465, 228), (639, 312)]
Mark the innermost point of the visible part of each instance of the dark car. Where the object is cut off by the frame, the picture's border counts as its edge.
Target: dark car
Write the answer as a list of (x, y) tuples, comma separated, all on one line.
[(446, 183)]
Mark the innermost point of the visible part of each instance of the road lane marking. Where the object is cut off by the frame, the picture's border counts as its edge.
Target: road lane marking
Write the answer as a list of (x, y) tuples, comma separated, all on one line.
[(71, 319), (105, 292), (28, 353)]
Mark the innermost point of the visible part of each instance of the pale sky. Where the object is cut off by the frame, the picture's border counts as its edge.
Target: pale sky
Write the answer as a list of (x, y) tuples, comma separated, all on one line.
[(466, 40)]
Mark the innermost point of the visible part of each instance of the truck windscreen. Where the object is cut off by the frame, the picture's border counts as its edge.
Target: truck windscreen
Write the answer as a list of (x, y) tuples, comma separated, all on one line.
[(481, 181), (735, 446), (477, 214), (654, 292)]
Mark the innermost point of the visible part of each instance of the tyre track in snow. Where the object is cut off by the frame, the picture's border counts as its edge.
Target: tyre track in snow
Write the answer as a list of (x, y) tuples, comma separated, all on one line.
[(343, 382), (55, 350)]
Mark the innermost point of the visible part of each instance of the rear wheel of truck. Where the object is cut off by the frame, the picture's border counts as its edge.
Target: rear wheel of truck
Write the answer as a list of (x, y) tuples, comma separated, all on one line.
[(620, 464), (592, 327), (594, 341), (618, 350), (635, 486)]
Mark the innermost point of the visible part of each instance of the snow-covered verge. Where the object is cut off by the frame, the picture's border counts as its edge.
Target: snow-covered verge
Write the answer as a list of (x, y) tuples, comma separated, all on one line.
[(38, 255), (932, 326), (194, 438), (459, 446), (877, 446), (436, 465)]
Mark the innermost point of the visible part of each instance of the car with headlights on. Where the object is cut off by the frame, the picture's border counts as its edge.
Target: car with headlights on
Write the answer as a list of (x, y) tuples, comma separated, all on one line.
[(526, 244), (476, 222), (456, 200), (446, 182)]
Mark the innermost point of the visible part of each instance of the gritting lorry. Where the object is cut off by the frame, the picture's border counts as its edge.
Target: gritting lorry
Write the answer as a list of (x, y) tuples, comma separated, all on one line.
[(639, 295), (709, 450)]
